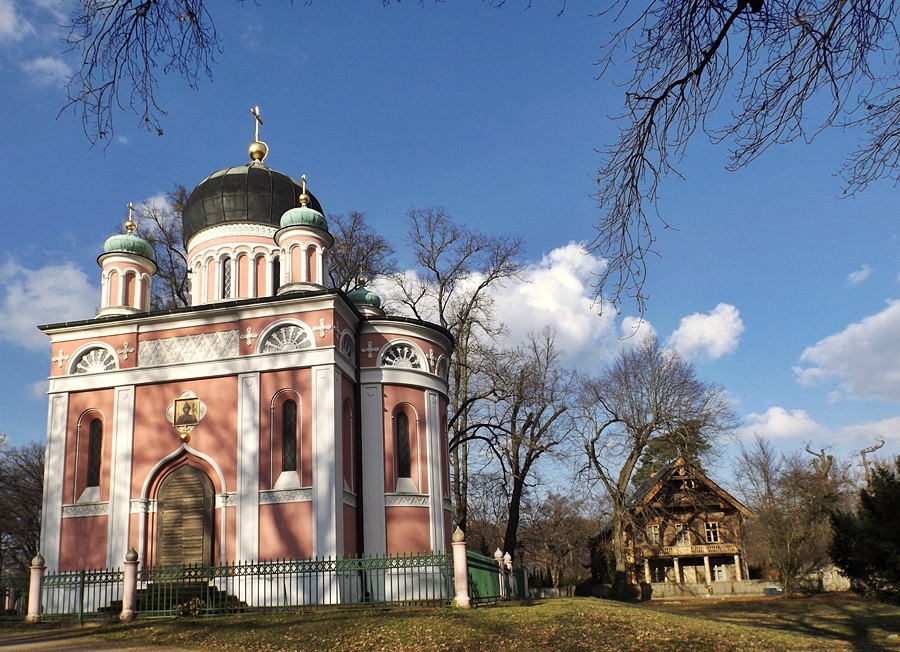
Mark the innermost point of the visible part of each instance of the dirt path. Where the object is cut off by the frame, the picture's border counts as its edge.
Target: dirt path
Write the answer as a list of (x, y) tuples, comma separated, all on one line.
[(72, 640)]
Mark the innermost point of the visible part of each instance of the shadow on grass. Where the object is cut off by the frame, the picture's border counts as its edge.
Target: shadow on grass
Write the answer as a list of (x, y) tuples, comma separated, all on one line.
[(864, 624)]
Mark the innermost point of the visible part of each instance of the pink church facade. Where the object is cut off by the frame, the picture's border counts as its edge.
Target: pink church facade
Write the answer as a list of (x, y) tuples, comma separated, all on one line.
[(272, 418)]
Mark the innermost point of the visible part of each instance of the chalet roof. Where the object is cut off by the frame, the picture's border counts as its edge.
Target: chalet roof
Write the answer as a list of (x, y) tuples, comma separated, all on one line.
[(681, 467)]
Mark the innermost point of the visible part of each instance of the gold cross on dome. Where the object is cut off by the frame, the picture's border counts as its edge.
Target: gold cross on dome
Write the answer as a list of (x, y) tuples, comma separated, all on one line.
[(129, 223), (255, 112)]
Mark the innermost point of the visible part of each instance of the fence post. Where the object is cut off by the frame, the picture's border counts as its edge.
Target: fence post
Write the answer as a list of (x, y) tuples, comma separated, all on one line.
[(460, 569), (511, 581), (498, 557), (129, 590), (36, 578)]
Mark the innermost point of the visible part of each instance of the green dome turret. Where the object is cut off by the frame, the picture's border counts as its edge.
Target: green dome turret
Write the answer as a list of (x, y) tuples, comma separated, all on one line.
[(303, 215), (128, 243), (364, 297)]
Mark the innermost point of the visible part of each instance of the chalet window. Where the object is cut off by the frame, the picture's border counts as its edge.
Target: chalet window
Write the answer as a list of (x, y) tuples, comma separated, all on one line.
[(289, 436), (95, 449), (718, 573), (653, 534), (682, 535), (712, 533), (404, 461)]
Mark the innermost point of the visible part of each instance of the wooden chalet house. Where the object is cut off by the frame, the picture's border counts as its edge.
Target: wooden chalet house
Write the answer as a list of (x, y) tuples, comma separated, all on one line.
[(684, 528)]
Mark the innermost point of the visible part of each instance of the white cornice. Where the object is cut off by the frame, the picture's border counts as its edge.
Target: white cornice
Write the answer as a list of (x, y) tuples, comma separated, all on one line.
[(232, 229), (399, 376), (183, 372), (405, 329)]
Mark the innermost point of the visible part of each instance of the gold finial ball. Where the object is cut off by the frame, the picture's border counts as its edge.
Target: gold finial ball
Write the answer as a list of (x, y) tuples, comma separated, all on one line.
[(130, 226), (185, 436), (257, 150), (304, 199)]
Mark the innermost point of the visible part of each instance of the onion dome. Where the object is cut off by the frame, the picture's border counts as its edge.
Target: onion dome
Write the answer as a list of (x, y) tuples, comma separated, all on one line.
[(362, 297), (304, 215), (128, 243), (250, 194)]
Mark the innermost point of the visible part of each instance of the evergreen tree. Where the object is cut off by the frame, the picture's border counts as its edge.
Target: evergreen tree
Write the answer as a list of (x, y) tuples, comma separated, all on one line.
[(866, 542), (685, 440)]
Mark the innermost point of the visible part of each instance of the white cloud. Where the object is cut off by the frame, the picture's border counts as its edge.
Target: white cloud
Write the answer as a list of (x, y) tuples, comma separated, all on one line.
[(860, 275), (47, 71), (864, 358), (867, 434), (558, 292), (711, 335), (13, 27), (795, 427), (51, 294), (778, 423), (39, 389)]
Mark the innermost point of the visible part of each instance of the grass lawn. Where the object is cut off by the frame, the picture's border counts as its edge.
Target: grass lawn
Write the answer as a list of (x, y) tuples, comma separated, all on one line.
[(567, 625), (840, 622)]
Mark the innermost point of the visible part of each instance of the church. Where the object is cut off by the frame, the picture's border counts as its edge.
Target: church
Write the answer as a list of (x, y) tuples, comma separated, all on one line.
[(273, 418)]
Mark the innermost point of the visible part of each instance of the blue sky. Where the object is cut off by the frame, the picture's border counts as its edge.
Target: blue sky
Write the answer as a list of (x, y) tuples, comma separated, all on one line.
[(770, 282)]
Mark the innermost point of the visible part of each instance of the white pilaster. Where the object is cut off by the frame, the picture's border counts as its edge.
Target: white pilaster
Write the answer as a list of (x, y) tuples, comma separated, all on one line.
[(320, 266), (435, 482), (251, 276), (328, 489), (372, 427), (120, 476), (247, 489), (54, 472), (304, 262)]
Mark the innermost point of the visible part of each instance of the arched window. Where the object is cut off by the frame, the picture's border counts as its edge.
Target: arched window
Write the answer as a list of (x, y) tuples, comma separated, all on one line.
[(289, 435), (95, 453), (226, 277), (404, 461), (276, 275)]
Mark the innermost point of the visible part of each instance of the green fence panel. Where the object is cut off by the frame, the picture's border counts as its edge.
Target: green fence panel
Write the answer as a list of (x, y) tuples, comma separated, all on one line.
[(484, 579), (82, 595)]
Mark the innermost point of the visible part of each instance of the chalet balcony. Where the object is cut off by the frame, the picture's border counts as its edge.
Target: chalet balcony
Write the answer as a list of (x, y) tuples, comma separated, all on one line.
[(690, 551)]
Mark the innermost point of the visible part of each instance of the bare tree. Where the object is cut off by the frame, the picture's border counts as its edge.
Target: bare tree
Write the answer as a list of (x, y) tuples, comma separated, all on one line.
[(358, 252), (790, 70), (645, 394), (457, 270), (556, 533), (123, 44), (21, 491), (161, 225), (532, 395), (792, 501)]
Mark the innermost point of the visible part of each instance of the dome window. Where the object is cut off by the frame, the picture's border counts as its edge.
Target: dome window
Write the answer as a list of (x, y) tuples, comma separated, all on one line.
[(286, 338), (94, 360), (403, 356)]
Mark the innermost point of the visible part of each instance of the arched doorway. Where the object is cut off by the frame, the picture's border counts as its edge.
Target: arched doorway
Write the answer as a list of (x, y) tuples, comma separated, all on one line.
[(184, 519)]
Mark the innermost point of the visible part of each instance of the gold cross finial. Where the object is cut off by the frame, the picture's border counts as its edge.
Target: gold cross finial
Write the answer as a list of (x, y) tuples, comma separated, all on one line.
[(255, 112), (130, 226), (304, 198)]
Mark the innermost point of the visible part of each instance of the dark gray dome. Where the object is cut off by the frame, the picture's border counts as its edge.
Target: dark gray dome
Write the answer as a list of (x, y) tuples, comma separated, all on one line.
[(249, 193)]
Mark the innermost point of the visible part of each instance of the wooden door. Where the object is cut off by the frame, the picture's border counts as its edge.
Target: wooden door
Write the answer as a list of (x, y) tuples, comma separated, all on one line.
[(184, 519)]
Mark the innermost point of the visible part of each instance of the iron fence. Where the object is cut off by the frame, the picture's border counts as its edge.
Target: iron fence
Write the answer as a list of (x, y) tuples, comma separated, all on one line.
[(82, 595), (290, 584), (13, 596)]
